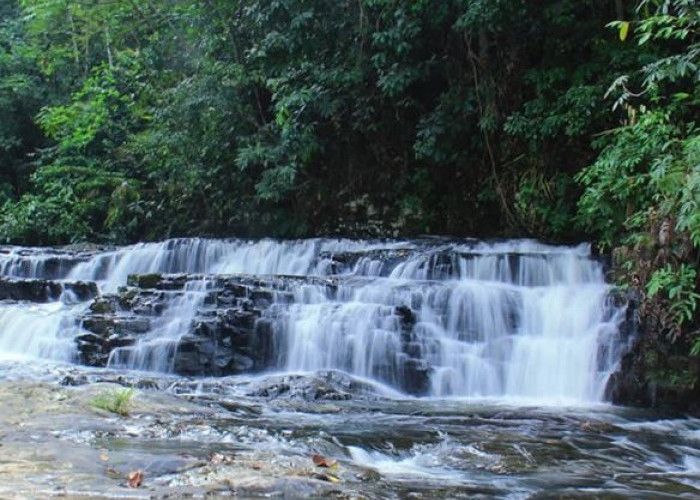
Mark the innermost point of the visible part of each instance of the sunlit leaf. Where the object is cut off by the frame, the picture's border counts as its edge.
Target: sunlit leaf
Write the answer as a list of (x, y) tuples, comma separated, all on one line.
[(624, 29), (680, 96), (331, 478)]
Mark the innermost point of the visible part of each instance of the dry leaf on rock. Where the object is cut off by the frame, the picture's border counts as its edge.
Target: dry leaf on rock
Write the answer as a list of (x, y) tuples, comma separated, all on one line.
[(134, 479), (321, 461)]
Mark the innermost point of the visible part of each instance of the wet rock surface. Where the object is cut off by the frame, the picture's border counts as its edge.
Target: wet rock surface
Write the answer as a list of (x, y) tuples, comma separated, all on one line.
[(224, 337), (653, 372), (63, 446), (322, 386), (43, 290), (232, 330), (300, 436)]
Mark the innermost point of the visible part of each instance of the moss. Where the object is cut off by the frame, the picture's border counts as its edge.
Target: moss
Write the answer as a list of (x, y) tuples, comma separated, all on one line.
[(102, 306), (144, 280)]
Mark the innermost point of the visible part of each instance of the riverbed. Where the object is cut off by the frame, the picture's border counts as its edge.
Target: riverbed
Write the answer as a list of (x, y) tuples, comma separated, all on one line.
[(256, 437)]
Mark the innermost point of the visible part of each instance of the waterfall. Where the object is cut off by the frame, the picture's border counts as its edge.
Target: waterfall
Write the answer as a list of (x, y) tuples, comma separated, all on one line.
[(512, 319), (509, 320)]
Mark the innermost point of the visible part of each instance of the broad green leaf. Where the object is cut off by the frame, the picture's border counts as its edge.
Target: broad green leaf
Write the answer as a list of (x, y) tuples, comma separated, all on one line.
[(680, 96), (624, 29)]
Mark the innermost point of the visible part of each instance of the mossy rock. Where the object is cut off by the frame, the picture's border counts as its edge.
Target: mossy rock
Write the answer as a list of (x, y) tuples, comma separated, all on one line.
[(126, 297), (100, 325), (144, 280), (103, 306)]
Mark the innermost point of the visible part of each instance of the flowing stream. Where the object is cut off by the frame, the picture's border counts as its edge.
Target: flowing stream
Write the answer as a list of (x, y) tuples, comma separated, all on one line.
[(445, 368)]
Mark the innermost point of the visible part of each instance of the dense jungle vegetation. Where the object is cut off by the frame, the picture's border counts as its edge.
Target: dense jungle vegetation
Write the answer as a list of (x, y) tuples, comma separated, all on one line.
[(126, 120)]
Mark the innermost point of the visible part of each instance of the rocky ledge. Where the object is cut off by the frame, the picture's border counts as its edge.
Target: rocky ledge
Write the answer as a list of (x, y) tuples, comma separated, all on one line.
[(41, 290), (653, 372), (232, 329)]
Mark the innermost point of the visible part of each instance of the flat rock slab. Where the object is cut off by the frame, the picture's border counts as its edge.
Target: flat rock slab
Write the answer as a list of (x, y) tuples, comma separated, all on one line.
[(55, 444)]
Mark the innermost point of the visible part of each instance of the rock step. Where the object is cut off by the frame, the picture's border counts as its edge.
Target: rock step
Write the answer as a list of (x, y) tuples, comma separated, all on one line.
[(47, 262), (42, 290), (441, 263), (233, 282), (232, 330)]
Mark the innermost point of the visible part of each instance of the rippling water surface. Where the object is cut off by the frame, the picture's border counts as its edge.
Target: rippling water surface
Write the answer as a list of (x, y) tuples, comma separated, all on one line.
[(387, 446)]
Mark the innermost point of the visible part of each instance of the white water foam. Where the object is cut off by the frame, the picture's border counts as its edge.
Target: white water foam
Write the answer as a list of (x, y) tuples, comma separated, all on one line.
[(412, 465), (37, 331)]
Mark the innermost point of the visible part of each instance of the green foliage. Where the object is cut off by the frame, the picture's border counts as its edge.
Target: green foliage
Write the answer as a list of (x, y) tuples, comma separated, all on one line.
[(562, 103), (117, 401), (625, 179), (687, 181), (679, 286), (133, 120), (543, 204), (21, 95), (677, 21), (643, 191), (69, 204), (96, 109), (650, 166)]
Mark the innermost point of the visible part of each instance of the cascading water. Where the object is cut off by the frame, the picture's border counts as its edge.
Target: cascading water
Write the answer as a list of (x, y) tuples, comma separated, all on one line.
[(37, 330), (156, 350), (509, 320), (433, 317)]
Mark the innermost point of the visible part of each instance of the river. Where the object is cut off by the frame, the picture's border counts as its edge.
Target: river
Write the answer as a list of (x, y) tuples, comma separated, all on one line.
[(428, 368)]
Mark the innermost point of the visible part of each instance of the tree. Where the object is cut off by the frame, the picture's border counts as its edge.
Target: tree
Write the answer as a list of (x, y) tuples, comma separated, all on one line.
[(642, 194)]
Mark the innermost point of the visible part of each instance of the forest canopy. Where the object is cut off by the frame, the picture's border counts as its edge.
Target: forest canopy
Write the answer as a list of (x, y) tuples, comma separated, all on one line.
[(132, 120)]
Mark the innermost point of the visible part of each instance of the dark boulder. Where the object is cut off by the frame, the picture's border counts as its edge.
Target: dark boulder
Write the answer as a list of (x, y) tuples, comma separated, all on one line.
[(325, 385), (415, 377), (81, 290)]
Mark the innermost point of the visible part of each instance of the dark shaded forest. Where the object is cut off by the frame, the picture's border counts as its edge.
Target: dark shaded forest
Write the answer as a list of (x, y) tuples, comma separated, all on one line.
[(561, 120)]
